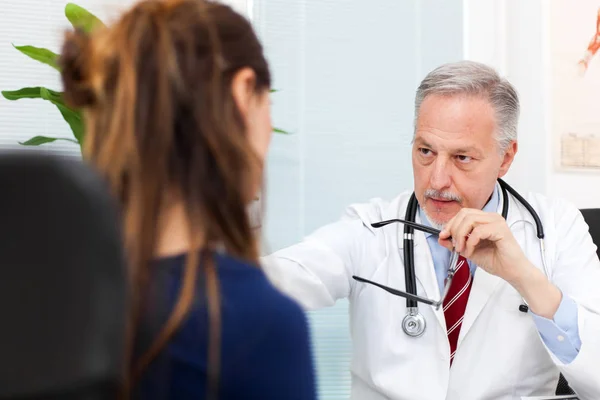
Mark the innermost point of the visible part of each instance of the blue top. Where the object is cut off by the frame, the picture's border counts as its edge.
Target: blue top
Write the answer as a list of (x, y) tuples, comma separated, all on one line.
[(265, 345), (561, 334)]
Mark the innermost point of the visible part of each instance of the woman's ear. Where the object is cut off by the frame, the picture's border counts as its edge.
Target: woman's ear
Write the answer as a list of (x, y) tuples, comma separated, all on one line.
[(243, 90)]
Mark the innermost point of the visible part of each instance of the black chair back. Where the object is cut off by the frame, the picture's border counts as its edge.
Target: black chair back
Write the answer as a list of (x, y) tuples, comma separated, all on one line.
[(592, 218), (63, 281)]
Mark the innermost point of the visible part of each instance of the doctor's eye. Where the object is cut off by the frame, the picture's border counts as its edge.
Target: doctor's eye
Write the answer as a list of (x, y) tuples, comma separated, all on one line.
[(425, 151), (463, 159)]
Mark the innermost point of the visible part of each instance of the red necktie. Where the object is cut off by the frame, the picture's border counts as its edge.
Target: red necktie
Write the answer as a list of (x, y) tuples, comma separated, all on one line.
[(456, 302)]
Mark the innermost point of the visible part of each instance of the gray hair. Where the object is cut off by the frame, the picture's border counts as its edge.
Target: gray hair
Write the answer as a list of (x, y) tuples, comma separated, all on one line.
[(473, 78)]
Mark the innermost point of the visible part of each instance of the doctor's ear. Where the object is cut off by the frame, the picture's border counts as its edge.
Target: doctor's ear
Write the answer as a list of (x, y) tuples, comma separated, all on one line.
[(508, 157)]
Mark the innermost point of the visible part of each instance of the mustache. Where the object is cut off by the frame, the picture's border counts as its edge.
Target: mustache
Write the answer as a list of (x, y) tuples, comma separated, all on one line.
[(440, 194)]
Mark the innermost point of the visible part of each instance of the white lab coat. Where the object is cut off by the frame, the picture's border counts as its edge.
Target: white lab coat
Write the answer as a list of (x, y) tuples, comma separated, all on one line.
[(500, 354)]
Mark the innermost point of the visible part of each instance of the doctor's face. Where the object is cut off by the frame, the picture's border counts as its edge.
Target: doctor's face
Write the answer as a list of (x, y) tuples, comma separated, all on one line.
[(456, 158)]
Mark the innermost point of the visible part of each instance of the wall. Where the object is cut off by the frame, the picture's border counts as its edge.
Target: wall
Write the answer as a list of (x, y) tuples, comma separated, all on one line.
[(512, 36), (514, 49), (580, 187)]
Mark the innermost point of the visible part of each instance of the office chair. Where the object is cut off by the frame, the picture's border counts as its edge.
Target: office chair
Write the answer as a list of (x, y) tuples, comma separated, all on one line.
[(563, 388), (592, 218), (62, 281)]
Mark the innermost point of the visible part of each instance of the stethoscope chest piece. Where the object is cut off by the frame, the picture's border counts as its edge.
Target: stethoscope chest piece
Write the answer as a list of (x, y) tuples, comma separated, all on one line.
[(413, 323)]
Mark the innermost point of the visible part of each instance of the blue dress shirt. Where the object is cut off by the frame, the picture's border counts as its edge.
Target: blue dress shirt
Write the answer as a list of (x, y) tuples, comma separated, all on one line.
[(561, 335)]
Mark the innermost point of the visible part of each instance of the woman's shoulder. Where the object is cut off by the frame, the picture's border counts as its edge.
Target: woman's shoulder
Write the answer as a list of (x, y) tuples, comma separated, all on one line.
[(250, 285), (249, 301), (276, 339), (264, 333)]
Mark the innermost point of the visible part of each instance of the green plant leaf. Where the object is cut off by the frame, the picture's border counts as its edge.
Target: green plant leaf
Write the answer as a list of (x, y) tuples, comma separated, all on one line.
[(40, 54), (72, 117), (277, 130), (79, 17), (25, 93), (39, 140), (29, 93), (75, 121), (52, 96)]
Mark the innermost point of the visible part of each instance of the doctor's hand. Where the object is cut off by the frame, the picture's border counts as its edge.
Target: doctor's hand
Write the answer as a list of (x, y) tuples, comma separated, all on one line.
[(485, 239)]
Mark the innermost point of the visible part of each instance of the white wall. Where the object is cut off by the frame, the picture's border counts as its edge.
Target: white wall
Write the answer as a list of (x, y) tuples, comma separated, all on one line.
[(512, 35), (581, 187)]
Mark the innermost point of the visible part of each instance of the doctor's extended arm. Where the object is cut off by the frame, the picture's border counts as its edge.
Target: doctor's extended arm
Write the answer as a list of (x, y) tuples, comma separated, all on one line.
[(318, 271)]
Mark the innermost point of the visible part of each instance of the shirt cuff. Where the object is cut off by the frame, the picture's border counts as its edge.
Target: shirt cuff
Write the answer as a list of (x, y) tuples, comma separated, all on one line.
[(561, 334)]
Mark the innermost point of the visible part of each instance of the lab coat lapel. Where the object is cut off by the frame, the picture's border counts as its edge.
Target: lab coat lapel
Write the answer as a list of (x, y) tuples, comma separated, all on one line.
[(425, 273), (484, 284), (483, 288)]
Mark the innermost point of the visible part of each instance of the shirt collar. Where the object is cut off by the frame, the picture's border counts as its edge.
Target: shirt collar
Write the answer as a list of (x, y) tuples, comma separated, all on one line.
[(491, 206)]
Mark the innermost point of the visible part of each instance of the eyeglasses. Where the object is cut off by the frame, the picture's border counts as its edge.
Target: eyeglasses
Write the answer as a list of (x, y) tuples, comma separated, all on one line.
[(447, 283)]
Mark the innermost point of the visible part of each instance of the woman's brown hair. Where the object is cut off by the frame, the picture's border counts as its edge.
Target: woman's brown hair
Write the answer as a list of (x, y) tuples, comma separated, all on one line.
[(161, 120)]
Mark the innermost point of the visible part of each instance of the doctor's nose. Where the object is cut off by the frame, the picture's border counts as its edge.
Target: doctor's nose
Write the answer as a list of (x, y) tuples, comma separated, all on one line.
[(440, 175)]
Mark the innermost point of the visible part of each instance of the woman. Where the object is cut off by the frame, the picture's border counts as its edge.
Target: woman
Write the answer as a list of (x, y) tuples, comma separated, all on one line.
[(176, 103)]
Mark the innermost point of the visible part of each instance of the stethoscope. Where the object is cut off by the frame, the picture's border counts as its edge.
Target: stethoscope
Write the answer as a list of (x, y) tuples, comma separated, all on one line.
[(413, 323)]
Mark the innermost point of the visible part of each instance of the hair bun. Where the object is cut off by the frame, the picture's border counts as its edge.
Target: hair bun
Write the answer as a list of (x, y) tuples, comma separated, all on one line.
[(75, 71)]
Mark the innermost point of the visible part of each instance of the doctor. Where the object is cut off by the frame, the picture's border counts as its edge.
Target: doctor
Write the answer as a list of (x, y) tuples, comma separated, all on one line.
[(483, 343)]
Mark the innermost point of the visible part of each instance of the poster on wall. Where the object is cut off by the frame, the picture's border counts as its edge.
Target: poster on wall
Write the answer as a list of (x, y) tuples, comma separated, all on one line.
[(574, 56)]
